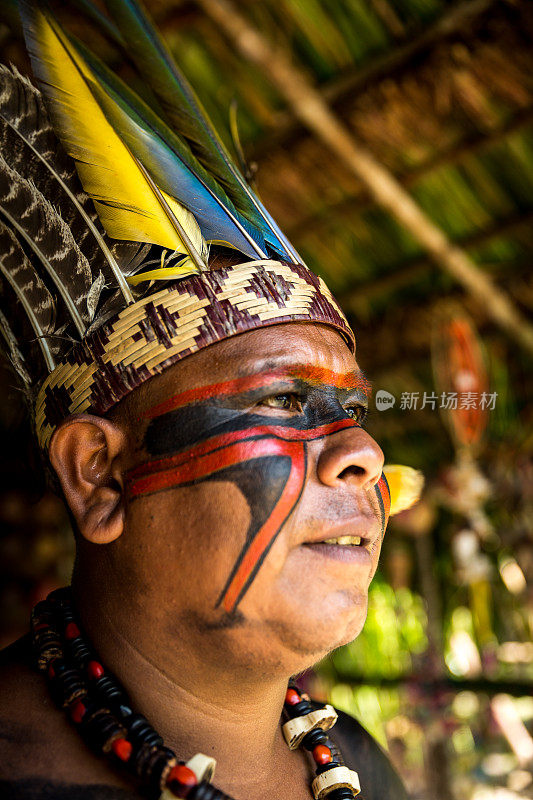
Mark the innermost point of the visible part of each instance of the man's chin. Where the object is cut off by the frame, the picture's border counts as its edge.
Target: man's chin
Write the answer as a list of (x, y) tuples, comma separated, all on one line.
[(349, 630), (312, 641)]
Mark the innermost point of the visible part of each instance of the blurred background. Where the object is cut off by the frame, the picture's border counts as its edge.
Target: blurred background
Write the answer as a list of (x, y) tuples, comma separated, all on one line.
[(393, 142)]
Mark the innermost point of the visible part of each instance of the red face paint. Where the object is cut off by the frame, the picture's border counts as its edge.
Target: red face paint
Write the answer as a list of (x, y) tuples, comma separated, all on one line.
[(198, 436), (314, 376)]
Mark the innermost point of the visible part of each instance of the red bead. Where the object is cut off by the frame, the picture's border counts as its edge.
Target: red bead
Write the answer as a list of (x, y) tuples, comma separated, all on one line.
[(322, 754), (181, 780), (95, 670), (77, 711), (292, 697), (122, 749), (51, 670), (40, 627), (72, 631)]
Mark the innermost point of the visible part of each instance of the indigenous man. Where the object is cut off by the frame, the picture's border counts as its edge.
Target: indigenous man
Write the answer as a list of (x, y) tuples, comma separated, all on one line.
[(206, 432)]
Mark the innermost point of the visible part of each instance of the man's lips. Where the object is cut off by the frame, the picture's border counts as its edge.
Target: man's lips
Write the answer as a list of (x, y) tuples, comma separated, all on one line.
[(362, 531)]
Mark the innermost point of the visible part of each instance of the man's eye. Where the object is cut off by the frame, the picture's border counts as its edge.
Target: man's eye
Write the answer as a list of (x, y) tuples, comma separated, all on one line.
[(287, 402), (357, 413)]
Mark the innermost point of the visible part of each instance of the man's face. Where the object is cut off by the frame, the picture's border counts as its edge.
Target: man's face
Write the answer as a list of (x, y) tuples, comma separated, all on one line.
[(255, 504)]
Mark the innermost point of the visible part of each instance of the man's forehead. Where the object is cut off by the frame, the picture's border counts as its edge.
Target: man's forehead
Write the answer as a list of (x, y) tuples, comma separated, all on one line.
[(298, 344), (315, 354)]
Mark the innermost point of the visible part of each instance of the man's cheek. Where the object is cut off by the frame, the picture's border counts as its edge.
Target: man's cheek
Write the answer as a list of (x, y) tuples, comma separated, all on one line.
[(266, 472), (271, 479), (196, 532)]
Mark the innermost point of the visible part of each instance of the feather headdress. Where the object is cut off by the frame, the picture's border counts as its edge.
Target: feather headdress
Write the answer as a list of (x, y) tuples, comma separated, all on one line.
[(109, 207), (105, 235)]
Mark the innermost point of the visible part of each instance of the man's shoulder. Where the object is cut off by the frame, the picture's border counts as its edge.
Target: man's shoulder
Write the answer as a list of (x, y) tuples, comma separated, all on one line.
[(363, 754), (23, 704), (37, 748)]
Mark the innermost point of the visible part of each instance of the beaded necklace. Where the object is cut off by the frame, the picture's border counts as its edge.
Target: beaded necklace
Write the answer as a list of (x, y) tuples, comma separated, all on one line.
[(100, 710)]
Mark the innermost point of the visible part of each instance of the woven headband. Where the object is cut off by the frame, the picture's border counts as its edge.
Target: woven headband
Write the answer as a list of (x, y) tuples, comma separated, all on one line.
[(158, 331)]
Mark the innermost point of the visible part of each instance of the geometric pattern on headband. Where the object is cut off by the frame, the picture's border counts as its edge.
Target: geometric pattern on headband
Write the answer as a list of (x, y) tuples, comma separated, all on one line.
[(158, 331)]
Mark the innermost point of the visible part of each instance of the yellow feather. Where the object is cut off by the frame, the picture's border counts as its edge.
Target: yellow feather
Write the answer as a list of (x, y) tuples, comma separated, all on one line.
[(127, 201), (405, 486), (164, 273)]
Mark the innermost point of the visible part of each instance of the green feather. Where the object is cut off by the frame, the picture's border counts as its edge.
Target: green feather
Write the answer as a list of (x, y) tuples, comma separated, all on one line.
[(187, 117), (170, 161)]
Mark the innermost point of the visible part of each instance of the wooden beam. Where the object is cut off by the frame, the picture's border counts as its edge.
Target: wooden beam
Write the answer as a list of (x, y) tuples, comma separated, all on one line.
[(470, 145), (313, 111)]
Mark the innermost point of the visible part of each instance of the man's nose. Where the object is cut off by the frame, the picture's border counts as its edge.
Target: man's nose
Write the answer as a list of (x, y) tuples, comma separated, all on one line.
[(350, 457)]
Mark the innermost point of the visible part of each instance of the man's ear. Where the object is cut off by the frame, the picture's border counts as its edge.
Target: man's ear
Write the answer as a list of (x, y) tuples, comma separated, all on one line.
[(85, 452)]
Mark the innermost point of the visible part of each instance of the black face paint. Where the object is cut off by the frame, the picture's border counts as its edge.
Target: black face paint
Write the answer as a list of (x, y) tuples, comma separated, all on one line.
[(216, 433), (180, 429)]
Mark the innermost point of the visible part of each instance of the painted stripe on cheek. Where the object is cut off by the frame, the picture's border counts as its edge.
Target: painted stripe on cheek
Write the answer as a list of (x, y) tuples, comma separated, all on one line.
[(251, 557), (218, 443), (383, 495), (205, 459), (253, 553)]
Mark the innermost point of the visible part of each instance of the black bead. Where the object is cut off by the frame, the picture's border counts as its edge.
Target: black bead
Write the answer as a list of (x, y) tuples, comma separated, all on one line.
[(161, 766), (152, 764), (79, 652), (205, 791), (45, 639), (140, 732), (67, 616), (42, 612), (343, 793), (142, 757), (67, 685), (300, 709), (314, 738), (109, 690), (335, 752), (46, 635), (100, 729)]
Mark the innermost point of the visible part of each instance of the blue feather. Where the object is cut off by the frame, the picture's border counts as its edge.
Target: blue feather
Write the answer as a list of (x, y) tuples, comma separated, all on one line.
[(170, 162), (187, 116)]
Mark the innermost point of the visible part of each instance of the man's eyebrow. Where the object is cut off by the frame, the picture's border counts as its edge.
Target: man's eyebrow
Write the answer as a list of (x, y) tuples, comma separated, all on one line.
[(354, 380), (318, 376), (314, 376)]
